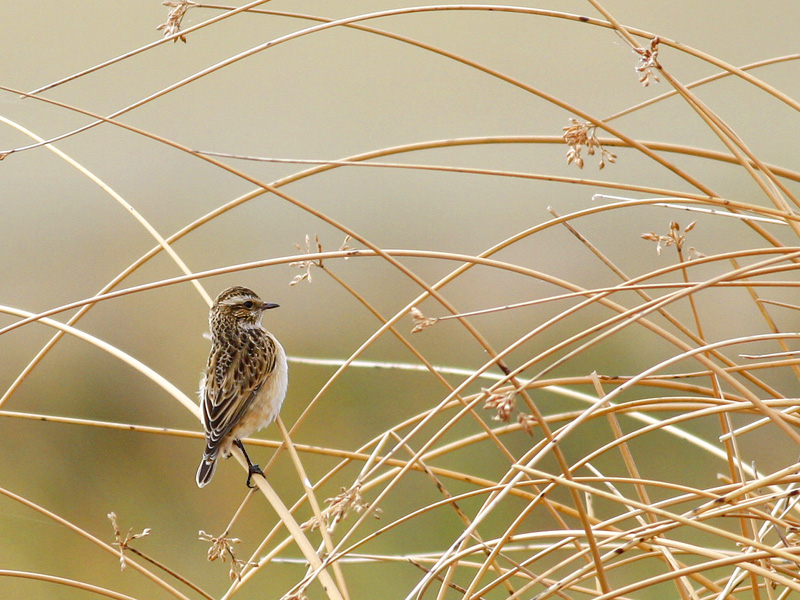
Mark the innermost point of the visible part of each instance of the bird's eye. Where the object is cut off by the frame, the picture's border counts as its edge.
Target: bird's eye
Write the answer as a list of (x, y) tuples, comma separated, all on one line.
[(248, 304)]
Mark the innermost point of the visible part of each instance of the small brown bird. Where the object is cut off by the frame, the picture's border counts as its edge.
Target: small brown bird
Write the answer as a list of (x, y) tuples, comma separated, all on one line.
[(245, 380)]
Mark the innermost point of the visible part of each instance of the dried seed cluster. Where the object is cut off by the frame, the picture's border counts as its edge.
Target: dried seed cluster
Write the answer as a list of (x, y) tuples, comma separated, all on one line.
[(175, 17), (502, 402), (221, 547), (339, 507), (584, 133), (674, 238), (122, 543), (648, 63)]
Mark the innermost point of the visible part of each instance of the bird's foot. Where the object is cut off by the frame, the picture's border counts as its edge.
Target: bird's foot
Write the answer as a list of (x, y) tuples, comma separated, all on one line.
[(253, 470)]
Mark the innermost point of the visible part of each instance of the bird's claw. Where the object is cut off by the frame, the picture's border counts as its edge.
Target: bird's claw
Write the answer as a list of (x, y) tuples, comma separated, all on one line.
[(254, 470)]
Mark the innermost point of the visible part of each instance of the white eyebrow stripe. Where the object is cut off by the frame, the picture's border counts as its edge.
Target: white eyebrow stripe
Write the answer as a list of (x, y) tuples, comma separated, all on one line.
[(237, 299)]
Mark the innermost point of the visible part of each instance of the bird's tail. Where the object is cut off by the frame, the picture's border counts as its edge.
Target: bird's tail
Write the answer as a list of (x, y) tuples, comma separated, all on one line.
[(206, 470)]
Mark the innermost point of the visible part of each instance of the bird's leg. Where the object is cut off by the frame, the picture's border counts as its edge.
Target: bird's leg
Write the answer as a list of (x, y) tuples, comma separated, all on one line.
[(252, 469)]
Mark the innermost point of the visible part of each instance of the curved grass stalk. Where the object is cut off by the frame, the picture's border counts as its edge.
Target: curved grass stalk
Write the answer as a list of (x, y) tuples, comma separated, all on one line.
[(66, 582), (96, 541), (162, 244), (126, 358)]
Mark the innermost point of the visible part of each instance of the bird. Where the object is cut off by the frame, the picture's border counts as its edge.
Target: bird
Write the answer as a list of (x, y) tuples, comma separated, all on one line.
[(245, 380)]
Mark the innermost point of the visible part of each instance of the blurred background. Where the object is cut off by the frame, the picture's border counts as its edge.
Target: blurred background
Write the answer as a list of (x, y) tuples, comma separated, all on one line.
[(325, 96)]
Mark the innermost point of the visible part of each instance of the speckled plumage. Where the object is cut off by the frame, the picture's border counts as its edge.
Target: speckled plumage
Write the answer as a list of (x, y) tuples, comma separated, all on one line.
[(245, 379)]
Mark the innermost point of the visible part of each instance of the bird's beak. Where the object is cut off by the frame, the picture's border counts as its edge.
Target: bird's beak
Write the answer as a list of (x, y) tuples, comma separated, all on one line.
[(268, 305)]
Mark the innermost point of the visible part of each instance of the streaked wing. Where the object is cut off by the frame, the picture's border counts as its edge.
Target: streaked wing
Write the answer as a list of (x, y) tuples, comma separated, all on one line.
[(233, 379)]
